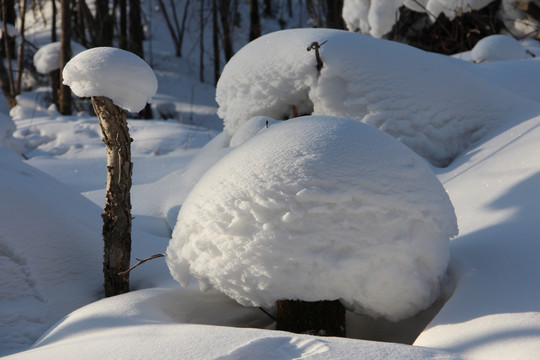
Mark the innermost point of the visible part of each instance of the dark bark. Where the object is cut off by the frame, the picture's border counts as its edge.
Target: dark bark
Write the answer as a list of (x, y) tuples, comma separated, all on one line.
[(215, 42), (8, 16), (54, 37), (322, 318), (117, 213), (201, 41), (122, 36), (104, 24), (334, 19), (20, 55), (4, 85), (255, 20), (8, 49), (64, 96), (136, 34), (226, 21), (55, 87)]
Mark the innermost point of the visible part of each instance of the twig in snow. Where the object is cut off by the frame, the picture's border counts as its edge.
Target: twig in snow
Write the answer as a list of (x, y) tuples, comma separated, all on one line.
[(124, 273)]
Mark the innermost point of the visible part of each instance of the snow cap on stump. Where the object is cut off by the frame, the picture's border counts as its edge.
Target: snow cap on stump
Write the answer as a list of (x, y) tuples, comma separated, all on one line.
[(318, 208), (47, 58), (116, 74), (498, 48)]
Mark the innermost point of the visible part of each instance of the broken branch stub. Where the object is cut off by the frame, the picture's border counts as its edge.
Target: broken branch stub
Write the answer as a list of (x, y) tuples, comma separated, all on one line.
[(316, 46), (117, 212)]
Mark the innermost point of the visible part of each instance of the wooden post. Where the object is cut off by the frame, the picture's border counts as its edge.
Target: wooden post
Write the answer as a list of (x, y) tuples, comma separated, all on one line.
[(322, 318), (117, 213)]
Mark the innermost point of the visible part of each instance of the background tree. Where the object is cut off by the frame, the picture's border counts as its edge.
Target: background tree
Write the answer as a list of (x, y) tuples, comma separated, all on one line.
[(64, 98), (254, 20)]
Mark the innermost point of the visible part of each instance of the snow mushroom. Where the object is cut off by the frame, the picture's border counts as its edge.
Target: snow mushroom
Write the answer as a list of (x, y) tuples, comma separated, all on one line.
[(47, 58), (116, 74), (318, 208)]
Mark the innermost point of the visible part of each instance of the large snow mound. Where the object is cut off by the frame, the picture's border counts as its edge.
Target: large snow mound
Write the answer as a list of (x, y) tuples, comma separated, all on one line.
[(422, 99), (318, 208), (117, 74), (49, 242), (47, 58)]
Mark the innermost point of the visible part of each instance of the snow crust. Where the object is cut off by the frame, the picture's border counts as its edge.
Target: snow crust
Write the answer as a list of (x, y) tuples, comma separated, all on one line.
[(318, 208), (47, 58), (412, 96), (497, 48), (117, 74)]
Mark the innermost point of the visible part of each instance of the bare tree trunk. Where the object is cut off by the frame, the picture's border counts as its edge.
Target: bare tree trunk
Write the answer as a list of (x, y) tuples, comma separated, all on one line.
[(122, 36), (104, 24), (226, 20), (4, 85), (255, 20), (8, 17), (322, 318), (64, 96), (136, 34), (215, 41), (20, 56), (8, 49), (334, 19), (117, 213), (201, 42), (53, 24)]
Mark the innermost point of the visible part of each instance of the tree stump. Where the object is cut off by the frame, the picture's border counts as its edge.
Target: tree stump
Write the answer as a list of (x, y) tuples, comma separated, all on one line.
[(322, 318), (117, 212)]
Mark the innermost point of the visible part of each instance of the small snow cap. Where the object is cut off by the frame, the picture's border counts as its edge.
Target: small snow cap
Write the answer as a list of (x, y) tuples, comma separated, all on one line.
[(47, 58), (120, 75), (498, 48), (318, 208)]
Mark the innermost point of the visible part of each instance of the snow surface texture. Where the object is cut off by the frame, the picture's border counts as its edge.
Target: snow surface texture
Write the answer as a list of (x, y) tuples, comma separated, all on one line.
[(412, 96), (47, 58), (61, 227), (318, 208), (498, 48), (376, 17), (117, 74)]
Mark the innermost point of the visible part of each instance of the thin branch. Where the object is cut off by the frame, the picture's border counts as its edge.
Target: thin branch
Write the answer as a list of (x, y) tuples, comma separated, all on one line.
[(268, 314), (124, 273)]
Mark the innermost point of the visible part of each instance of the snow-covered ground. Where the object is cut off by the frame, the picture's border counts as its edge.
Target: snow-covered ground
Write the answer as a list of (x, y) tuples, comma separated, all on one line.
[(51, 246)]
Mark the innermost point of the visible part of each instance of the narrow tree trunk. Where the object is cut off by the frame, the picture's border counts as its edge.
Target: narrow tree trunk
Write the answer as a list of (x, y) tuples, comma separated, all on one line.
[(201, 41), (4, 85), (226, 21), (322, 318), (255, 20), (20, 56), (117, 213), (55, 87), (136, 35), (122, 36), (8, 17), (215, 42), (64, 96), (334, 18), (53, 22)]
